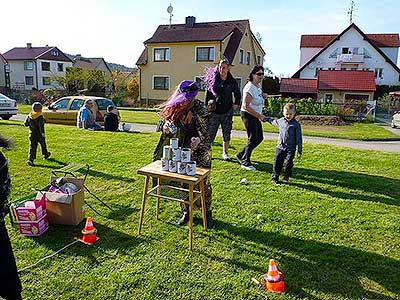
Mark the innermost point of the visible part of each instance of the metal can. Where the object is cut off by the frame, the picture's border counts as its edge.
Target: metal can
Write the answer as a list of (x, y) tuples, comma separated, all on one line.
[(191, 168), (174, 143), (181, 167), (185, 154), (166, 152), (164, 164), (172, 166), (176, 154), (172, 128)]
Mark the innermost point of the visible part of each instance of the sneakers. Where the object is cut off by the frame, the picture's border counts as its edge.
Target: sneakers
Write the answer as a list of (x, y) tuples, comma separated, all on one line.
[(248, 168), (225, 156), (47, 156), (29, 163), (274, 181), (285, 179)]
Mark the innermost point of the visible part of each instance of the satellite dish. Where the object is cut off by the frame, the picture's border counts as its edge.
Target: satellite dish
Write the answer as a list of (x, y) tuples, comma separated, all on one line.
[(170, 9)]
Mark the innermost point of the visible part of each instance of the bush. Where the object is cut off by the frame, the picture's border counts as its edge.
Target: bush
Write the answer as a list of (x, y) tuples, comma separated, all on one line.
[(274, 107)]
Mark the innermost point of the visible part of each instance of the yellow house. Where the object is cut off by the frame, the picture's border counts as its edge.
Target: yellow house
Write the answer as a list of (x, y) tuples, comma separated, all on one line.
[(182, 51)]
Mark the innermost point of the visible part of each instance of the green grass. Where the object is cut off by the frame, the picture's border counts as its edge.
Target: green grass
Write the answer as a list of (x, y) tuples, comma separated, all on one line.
[(334, 230), (357, 131)]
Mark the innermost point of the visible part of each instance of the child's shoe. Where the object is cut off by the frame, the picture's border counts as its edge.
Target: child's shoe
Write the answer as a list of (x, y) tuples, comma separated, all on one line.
[(285, 179), (47, 156), (274, 181), (29, 163)]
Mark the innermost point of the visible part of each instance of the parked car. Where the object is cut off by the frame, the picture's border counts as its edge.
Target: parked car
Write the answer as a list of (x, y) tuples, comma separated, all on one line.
[(65, 110), (396, 120), (8, 107)]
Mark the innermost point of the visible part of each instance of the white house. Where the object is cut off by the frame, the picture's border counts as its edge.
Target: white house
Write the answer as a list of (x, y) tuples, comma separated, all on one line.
[(3, 70), (36, 67), (351, 50)]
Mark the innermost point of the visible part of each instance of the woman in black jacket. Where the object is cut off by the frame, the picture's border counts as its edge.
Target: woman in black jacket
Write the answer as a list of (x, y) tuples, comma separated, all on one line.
[(10, 285)]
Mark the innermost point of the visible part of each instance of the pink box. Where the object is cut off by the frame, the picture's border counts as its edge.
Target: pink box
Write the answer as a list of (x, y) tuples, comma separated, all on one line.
[(33, 210), (35, 228)]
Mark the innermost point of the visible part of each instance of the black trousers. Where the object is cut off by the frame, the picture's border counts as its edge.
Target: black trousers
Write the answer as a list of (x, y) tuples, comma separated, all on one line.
[(283, 159), (10, 285), (255, 136), (34, 140)]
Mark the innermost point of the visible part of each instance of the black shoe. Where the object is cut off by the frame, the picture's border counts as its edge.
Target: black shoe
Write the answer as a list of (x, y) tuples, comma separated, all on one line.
[(29, 163), (47, 155), (274, 181), (184, 219), (285, 179), (209, 218)]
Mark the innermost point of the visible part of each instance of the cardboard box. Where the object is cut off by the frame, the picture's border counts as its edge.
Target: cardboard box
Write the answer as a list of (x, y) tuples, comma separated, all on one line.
[(67, 209), (30, 209), (35, 228)]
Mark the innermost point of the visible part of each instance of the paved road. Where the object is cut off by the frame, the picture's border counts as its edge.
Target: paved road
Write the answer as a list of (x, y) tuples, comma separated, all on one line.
[(388, 146)]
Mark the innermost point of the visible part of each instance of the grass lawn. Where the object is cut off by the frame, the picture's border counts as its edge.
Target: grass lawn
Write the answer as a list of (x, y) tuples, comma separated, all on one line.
[(358, 131), (334, 230)]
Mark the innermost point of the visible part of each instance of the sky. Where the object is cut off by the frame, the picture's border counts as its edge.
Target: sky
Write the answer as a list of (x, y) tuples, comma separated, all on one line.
[(116, 29)]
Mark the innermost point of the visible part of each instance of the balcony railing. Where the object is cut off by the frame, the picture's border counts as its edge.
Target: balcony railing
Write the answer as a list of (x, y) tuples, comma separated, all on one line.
[(350, 59)]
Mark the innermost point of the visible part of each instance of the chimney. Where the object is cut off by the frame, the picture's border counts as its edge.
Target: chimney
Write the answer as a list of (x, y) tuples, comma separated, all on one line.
[(190, 21), (29, 45)]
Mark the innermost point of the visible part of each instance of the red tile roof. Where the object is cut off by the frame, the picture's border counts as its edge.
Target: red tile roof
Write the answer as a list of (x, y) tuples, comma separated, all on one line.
[(298, 86), (341, 80), (209, 31), (321, 40), (21, 53)]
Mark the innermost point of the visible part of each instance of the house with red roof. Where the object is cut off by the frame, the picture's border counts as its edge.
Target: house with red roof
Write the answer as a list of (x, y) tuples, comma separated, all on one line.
[(351, 50), (181, 51), (36, 67), (335, 86)]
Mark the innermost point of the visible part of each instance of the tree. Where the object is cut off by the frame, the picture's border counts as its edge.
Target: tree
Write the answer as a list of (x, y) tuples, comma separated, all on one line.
[(133, 88)]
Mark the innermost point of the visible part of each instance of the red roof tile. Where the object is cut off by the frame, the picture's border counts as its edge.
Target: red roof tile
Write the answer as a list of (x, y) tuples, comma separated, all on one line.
[(298, 86), (321, 40), (209, 31), (346, 80)]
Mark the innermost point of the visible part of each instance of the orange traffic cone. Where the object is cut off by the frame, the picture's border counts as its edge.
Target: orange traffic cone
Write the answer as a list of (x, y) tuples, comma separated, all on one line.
[(89, 233), (274, 278)]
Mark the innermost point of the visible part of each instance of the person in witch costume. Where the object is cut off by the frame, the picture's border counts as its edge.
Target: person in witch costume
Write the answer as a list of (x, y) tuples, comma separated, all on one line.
[(188, 114)]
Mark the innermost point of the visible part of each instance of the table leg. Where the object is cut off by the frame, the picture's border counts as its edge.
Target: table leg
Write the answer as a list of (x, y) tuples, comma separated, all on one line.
[(158, 197), (146, 188), (203, 203), (190, 216)]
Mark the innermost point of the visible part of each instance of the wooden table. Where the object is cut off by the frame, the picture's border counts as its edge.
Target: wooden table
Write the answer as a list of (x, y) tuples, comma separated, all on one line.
[(153, 170)]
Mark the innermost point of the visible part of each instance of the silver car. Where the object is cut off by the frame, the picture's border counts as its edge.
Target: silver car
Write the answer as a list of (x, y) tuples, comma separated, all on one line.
[(8, 107), (396, 120)]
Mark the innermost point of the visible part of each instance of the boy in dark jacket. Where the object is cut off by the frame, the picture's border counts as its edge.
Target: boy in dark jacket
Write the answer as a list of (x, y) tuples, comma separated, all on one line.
[(110, 119), (10, 285), (290, 138), (35, 121)]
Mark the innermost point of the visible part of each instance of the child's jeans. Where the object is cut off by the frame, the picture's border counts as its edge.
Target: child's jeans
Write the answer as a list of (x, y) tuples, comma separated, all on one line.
[(283, 159)]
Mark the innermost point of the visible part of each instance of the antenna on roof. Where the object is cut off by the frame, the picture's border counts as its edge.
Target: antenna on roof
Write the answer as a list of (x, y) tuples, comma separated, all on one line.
[(169, 10), (351, 10)]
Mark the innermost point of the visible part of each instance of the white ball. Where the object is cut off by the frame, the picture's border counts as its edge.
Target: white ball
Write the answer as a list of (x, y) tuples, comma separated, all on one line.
[(244, 181)]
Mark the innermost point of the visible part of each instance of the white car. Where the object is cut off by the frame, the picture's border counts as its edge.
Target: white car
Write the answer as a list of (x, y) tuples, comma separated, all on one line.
[(8, 107), (396, 120)]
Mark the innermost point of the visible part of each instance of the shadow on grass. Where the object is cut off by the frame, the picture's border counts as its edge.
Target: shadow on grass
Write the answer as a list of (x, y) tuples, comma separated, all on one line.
[(121, 212), (309, 265), (109, 176)]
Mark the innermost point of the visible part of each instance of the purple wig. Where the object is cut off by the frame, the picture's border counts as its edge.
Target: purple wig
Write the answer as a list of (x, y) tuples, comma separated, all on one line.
[(209, 78), (187, 90)]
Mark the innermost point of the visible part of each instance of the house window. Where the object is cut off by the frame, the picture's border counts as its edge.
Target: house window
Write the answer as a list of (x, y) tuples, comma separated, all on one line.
[(259, 60), (28, 80), (248, 58), (365, 69), (328, 98), (161, 54), (60, 67), (45, 66), (55, 53), (46, 80), (345, 51), (331, 69), (378, 72), (200, 81), (241, 56), (239, 82), (204, 53), (28, 65), (161, 83), (316, 71)]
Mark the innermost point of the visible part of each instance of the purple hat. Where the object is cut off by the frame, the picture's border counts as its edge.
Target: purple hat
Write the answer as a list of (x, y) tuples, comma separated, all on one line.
[(187, 90)]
